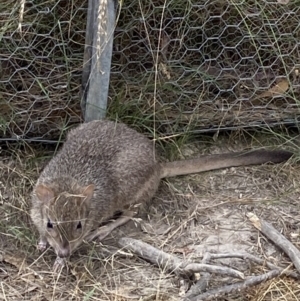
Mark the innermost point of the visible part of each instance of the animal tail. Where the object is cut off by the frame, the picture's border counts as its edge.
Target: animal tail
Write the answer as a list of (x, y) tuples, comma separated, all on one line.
[(212, 162)]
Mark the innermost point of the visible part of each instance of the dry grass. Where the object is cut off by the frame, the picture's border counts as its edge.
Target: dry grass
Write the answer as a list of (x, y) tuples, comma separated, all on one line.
[(189, 215)]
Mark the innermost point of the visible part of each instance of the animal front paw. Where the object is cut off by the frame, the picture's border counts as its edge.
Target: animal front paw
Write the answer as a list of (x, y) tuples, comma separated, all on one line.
[(42, 245), (58, 264)]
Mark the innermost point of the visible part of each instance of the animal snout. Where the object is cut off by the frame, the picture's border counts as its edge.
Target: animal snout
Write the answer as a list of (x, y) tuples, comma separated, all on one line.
[(65, 252)]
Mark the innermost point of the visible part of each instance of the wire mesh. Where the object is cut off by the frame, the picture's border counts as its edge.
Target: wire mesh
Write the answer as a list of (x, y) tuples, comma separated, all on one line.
[(41, 46), (207, 65), (201, 65)]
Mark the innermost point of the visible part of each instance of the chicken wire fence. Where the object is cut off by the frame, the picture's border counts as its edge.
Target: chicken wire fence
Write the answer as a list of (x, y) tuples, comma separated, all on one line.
[(201, 65)]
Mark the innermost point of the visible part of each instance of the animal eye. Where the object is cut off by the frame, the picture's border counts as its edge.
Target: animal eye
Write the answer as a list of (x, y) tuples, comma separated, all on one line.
[(49, 224), (79, 225)]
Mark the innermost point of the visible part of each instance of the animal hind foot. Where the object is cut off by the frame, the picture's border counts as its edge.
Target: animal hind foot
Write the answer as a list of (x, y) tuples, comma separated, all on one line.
[(103, 231)]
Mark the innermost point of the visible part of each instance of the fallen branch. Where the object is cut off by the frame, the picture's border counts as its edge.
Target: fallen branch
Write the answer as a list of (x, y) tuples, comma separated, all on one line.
[(173, 263), (201, 285), (270, 232), (257, 260), (250, 281)]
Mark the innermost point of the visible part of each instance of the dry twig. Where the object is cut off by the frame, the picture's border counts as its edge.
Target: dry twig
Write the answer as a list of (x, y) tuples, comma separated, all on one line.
[(257, 260), (270, 232), (250, 281), (172, 262), (201, 285)]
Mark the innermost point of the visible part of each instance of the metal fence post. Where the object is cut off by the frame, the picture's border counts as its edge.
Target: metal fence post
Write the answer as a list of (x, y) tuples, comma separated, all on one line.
[(97, 58)]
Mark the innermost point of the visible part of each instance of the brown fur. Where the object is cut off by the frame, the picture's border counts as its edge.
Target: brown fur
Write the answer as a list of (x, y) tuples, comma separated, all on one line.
[(102, 167)]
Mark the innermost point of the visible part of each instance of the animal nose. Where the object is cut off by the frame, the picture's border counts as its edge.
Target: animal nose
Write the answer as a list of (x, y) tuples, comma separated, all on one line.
[(65, 252)]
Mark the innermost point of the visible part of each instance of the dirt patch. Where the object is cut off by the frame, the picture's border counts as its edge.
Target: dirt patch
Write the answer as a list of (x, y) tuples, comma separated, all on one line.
[(189, 216)]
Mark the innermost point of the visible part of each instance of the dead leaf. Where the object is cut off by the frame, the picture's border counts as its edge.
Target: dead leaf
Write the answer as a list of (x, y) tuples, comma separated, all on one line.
[(279, 89)]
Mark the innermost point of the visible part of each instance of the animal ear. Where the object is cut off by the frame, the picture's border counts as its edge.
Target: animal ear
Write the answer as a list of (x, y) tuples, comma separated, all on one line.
[(88, 192), (44, 193)]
